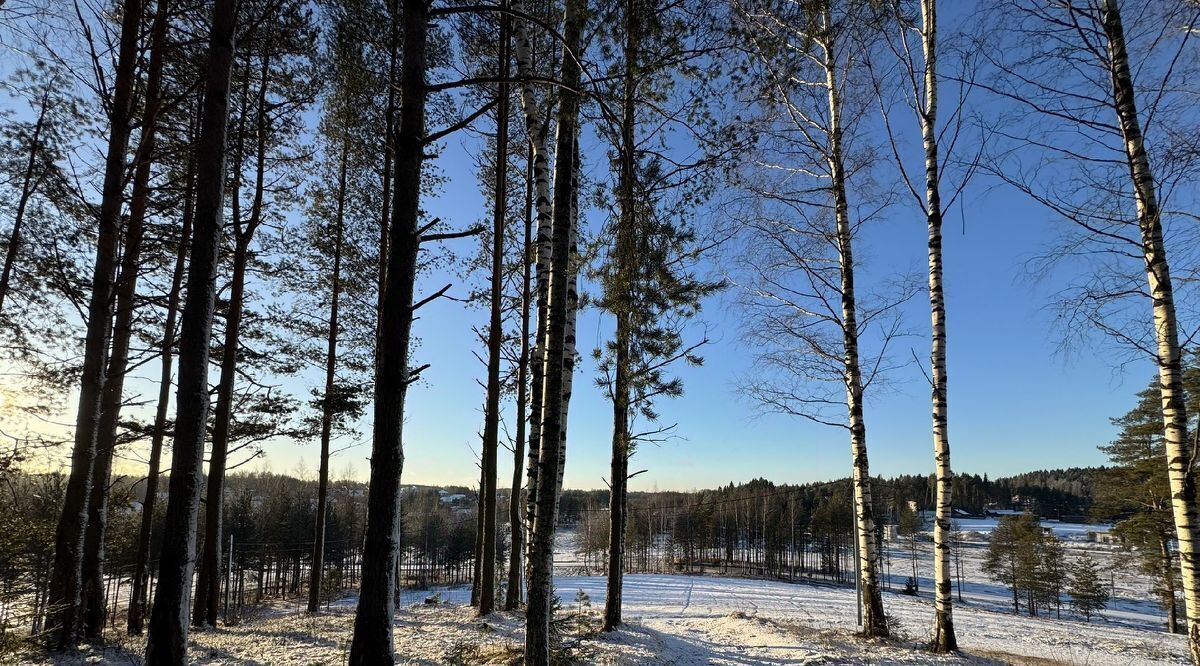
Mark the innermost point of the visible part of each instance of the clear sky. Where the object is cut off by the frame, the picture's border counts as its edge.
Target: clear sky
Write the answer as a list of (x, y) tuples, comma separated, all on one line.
[(1016, 404)]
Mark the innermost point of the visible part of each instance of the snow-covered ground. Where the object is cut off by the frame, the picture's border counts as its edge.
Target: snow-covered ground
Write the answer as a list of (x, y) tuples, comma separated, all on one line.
[(675, 619)]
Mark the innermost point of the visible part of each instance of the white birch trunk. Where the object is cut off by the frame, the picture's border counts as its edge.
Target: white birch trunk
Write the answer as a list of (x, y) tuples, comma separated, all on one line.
[(535, 130), (944, 639), (572, 311), (874, 621), (1158, 275)]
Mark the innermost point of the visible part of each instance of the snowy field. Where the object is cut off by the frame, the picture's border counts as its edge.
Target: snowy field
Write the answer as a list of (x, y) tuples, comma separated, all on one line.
[(674, 619)]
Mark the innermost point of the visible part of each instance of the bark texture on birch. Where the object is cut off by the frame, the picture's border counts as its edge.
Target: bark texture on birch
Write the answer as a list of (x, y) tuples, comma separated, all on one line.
[(874, 620), (1158, 275), (944, 639), (557, 341), (167, 639), (372, 642), (536, 130), (65, 591)]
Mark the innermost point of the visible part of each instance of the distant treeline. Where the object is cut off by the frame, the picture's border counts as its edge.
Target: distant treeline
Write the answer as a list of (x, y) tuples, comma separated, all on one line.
[(1056, 494), (755, 528)]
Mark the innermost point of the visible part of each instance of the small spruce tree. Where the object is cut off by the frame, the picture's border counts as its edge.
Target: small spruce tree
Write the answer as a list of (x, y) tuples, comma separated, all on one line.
[(1086, 588)]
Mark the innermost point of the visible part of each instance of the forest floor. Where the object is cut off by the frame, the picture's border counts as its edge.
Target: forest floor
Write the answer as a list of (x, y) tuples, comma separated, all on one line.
[(674, 619)]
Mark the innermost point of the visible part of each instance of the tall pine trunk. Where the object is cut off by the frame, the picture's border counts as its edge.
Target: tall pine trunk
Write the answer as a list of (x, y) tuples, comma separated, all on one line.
[(556, 343), (515, 520), (66, 573), (625, 269), (1158, 274), (372, 642), (140, 594), (126, 290), (491, 426), (943, 639), (874, 621), (208, 582), (167, 640), (317, 570)]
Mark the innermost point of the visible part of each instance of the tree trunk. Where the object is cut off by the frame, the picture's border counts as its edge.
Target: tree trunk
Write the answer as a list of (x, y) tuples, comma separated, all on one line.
[(29, 184), (536, 130), (944, 639), (126, 291), (1158, 274), (138, 596), (625, 268), (389, 152), (66, 574), (372, 642), (318, 553), (556, 343), (208, 582), (491, 427), (167, 641), (517, 525), (874, 621)]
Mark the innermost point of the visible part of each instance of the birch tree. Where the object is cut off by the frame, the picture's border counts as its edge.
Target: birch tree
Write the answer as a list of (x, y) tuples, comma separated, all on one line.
[(558, 342), (810, 197), (916, 49), (1110, 116)]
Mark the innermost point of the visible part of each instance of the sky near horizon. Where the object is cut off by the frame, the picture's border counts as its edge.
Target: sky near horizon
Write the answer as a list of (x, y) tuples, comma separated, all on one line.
[(1017, 402)]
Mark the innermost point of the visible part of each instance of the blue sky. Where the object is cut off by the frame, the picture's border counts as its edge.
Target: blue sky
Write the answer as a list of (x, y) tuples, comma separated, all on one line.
[(1016, 404)]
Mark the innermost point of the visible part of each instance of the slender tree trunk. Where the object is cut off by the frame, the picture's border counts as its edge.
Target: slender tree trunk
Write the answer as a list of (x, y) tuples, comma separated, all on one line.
[(874, 621), (1170, 377), (572, 312), (66, 574), (167, 640), (126, 291), (536, 130), (318, 553), (477, 563), (138, 597), (389, 152), (208, 582), (491, 427), (944, 639), (556, 344), (1164, 549), (517, 525), (372, 642), (625, 260), (29, 185)]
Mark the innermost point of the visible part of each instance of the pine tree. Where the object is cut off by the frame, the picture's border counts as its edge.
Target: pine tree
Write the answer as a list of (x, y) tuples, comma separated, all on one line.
[(1088, 592), (167, 640), (1135, 491)]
